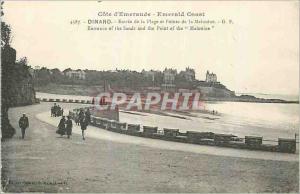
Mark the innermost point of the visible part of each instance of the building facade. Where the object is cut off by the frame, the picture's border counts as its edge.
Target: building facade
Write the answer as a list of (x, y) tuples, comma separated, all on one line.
[(75, 74), (150, 74), (188, 74), (169, 79), (211, 77)]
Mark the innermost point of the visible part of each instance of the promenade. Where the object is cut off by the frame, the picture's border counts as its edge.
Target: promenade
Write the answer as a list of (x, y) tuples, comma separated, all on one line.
[(45, 162)]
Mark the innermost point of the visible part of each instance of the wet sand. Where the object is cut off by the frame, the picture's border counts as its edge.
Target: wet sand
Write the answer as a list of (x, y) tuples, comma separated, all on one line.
[(44, 162)]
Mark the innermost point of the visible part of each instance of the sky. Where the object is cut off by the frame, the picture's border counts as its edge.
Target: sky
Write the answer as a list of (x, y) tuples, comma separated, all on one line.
[(259, 53)]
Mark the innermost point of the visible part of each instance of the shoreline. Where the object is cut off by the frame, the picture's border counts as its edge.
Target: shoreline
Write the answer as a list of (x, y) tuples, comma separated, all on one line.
[(256, 100)]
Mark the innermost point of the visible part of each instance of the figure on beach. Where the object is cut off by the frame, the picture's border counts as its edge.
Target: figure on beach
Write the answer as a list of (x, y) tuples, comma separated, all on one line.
[(23, 124), (69, 126), (62, 126)]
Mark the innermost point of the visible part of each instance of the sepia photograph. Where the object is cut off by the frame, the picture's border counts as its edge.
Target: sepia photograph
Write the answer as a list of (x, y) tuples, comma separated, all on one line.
[(149, 96)]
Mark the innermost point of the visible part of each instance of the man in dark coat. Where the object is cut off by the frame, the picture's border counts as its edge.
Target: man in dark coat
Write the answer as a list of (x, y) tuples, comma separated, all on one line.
[(81, 116), (52, 111), (88, 116), (55, 109), (58, 111), (76, 118), (83, 125), (23, 124), (69, 126)]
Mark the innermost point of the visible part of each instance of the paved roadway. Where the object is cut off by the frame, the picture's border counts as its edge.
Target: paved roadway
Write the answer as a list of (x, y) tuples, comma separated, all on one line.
[(44, 162)]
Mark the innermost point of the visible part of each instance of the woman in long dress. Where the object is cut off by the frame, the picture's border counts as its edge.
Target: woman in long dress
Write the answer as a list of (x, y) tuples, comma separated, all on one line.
[(69, 126), (61, 126)]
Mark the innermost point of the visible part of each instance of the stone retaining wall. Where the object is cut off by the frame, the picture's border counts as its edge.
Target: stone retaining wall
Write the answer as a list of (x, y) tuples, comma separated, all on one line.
[(194, 137)]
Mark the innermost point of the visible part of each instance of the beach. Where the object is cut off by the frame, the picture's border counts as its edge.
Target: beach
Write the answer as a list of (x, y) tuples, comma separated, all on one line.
[(45, 162), (269, 120)]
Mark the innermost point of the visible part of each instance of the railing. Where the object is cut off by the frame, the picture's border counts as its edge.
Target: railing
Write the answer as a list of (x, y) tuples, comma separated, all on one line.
[(64, 100)]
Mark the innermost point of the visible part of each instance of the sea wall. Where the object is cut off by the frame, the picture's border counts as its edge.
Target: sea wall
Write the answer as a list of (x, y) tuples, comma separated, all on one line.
[(194, 137)]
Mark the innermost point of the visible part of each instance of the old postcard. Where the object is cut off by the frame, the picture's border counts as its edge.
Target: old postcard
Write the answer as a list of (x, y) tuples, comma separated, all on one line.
[(150, 96)]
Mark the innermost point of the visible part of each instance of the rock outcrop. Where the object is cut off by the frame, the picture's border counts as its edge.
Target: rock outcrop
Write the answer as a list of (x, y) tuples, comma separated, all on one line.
[(210, 91), (16, 87)]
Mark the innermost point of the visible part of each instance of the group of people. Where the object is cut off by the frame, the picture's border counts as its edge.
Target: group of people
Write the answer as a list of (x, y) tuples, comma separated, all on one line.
[(56, 111), (81, 118), (214, 112), (80, 115), (65, 125)]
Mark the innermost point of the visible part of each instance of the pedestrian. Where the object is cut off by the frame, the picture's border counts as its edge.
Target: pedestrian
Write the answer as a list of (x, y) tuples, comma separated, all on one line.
[(55, 109), (69, 126), (52, 111), (62, 126), (58, 112), (88, 116), (23, 124), (81, 115), (83, 125), (76, 118)]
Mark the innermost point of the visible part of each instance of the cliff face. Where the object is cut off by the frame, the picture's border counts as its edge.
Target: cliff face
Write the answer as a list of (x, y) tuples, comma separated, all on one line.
[(210, 91), (16, 87), (23, 92)]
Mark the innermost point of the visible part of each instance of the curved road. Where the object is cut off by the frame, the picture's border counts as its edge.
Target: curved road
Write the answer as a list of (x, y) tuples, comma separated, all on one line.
[(44, 162)]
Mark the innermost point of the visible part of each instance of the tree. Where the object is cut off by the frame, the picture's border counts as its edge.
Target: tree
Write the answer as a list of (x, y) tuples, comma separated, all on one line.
[(5, 34), (43, 76), (23, 61), (2, 2), (56, 76)]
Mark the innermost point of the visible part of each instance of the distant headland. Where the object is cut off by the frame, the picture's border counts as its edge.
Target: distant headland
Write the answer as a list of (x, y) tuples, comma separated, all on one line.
[(91, 82)]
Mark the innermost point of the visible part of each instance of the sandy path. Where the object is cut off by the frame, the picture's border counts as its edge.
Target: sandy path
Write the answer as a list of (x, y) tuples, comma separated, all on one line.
[(43, 162)]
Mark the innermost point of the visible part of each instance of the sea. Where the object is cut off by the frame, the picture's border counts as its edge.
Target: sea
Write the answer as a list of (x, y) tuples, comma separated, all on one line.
[(268, 120)]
